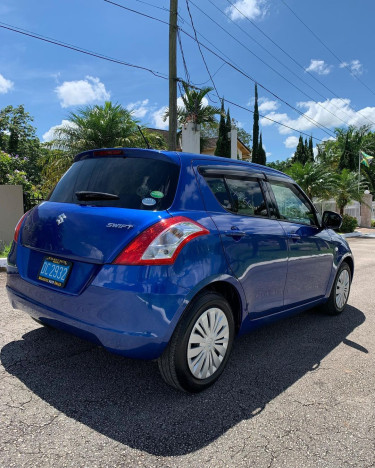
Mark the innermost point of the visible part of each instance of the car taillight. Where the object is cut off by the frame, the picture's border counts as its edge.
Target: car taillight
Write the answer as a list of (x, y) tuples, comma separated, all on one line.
[(161, 243), (18, 227)]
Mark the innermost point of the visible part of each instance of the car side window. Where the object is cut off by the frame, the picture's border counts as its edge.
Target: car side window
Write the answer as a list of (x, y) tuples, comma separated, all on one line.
[(240, 196), (247, 197), (219, 189), (292, 205)]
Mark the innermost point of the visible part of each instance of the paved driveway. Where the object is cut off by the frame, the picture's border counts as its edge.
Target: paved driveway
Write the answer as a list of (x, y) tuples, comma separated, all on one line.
[(299, 393)]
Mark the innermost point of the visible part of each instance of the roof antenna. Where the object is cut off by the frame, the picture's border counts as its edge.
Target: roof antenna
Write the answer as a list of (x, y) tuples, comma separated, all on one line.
[(146, 141)]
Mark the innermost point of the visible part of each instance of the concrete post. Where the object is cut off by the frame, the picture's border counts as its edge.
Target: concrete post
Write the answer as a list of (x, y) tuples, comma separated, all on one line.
[(233, 143), (190, 139), (11, 210), (366, 207)]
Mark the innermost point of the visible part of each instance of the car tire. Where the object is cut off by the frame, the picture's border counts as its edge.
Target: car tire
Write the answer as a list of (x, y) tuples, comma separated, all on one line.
[(340, 291), (200, 345)]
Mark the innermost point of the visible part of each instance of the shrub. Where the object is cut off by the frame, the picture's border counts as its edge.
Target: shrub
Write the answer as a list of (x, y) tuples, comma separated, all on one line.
[(373, 223), (4, 249), (349, 223)]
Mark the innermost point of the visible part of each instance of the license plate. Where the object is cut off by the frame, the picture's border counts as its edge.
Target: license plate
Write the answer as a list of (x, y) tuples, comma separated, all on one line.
[(55, 271)]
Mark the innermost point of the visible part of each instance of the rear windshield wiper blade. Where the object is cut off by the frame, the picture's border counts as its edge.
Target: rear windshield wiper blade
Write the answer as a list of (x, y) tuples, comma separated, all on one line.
[(90, 196)]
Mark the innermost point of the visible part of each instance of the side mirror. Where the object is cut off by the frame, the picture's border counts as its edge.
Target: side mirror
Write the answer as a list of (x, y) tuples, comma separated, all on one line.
[(331, 220)]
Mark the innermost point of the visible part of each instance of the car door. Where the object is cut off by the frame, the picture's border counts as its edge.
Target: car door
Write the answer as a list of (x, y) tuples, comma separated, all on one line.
[(254, 243), (311, 250)]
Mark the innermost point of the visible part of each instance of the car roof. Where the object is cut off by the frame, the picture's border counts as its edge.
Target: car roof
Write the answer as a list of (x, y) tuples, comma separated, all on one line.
[(184, 158), (188, 157)]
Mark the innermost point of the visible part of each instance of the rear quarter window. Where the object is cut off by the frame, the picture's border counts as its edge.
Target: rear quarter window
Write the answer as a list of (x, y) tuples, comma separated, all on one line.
[(140, 183)]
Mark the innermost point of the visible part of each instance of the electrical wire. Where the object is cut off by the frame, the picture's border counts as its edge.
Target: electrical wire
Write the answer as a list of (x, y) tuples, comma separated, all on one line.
[(200, 50), (344, 64), (263, 116), (294, 60), (80, 50), (187, 75), (121, 62), (270, 66), (284, 65), (314, 122)]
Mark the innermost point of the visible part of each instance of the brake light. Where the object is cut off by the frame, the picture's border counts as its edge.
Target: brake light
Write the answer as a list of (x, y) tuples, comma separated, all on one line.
[(18, 227), (108, 152), (161, 243)]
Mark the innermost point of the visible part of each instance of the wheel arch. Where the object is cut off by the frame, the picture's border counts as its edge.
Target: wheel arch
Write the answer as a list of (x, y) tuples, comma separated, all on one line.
[(231, 293)]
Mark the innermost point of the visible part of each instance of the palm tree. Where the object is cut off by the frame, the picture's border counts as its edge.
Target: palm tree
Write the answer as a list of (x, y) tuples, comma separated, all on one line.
[(91, 127), (316, 180), (347, 189), (97, 126), (194, 108)]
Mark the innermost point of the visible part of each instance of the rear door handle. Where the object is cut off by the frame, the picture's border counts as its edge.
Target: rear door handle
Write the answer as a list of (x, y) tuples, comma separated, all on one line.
[(235, 233)]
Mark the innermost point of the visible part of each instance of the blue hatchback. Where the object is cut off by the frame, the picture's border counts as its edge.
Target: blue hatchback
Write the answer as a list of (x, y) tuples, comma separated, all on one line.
[(169, 256)]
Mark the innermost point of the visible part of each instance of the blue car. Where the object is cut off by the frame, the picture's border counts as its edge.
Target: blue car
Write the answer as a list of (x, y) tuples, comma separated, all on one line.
[(170, 256)]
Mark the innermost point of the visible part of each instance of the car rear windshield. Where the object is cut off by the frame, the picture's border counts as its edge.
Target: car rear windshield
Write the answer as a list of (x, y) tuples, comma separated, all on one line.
[(139, 183)]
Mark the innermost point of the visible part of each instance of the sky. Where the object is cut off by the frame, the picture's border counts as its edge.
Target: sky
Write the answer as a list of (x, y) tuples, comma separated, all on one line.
[(301, 84)]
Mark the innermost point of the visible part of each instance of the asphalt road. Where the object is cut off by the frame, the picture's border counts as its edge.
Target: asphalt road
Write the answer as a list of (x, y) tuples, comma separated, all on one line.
[(298, 393)]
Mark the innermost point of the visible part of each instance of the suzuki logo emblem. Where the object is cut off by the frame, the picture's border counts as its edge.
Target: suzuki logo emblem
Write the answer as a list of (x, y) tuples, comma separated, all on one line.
[(60, 218)]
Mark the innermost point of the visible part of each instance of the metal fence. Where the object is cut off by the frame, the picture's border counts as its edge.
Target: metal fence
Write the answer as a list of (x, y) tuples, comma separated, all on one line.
[(353, 209), (30, 202)]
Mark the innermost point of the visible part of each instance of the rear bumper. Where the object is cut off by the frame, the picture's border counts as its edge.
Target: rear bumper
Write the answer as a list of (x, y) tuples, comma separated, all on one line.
[(136, 323)]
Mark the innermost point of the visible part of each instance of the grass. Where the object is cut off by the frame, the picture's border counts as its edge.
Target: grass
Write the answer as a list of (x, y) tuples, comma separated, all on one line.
[(4, 249)]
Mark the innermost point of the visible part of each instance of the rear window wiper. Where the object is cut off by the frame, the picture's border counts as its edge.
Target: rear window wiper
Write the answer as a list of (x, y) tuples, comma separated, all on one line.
[(90, 196)]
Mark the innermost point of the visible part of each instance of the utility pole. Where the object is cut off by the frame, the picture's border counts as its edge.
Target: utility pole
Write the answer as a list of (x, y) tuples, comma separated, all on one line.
[(172, 75)]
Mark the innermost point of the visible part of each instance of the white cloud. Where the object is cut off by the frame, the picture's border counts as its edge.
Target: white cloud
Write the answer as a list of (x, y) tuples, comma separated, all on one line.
[(291, 142), (49, 135), (267, 105), (157, 118), (81, 92), (5, 85), (355, 67), (319, 67), (139, 108), (253, 9), (330, 113)]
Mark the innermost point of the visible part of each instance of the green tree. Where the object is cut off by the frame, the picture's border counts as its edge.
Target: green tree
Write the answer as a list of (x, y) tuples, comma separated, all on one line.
[(346, 189), (314, 179), (300, 153), (243, 135), (282, 166), (223, 142), (107, 126), (16, 122), (195, 109), (255, 157), (262, 158), (311, 150)]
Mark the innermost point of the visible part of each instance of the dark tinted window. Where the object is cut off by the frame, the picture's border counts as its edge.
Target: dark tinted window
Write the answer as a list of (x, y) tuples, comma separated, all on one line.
[(140, 183), (247, 197), (241, 196), (219, 189)]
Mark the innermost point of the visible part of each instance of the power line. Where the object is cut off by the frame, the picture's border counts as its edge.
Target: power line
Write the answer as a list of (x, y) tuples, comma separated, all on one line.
[(315, 123), (269, 66), (79, 49), (263, 116), (292, 58), (187, 75), (121, 62), (200, 50), (283, 64), (137, 12), (329, 49)]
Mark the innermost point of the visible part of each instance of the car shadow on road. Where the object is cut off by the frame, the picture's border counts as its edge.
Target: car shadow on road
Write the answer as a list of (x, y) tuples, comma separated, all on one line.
[(127, 401)]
